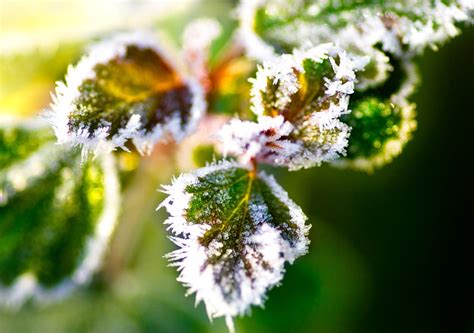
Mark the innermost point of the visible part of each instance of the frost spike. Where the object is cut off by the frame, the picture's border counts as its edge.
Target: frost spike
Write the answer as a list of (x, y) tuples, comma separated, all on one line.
[(235, 230), (401, 28), (127, 88), (298, 99)]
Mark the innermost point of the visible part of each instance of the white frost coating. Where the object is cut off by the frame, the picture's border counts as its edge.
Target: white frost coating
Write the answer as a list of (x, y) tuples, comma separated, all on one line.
[(191, 257), (260, 140), (329, 136), (27, 287), (281, 71), (435, 23), (400, 35), (100, 141), (200, 33), (14, 296), (409, 85), (439, 25)]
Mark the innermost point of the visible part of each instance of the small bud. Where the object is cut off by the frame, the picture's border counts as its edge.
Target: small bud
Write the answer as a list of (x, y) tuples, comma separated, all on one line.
[(381, 126), (380, 129)]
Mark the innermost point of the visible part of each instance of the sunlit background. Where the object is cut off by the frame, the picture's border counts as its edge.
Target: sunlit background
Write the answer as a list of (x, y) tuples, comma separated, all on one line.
[(381, 244)]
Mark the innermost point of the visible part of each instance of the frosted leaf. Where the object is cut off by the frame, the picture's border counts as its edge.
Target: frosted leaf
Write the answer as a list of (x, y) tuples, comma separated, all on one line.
[(56, 214), (235, 230), (381, 126), (400, 28), (126, 88), (262, 142), (310, 90)]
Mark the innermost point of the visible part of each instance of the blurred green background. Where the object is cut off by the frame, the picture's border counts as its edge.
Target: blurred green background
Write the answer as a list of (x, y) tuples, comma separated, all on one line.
[(385, 254)]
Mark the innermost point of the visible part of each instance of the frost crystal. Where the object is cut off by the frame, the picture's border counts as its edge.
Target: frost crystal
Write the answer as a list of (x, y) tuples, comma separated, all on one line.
[(235, 230), (307, 92), (125, 88), (262, 141), (400, 28)]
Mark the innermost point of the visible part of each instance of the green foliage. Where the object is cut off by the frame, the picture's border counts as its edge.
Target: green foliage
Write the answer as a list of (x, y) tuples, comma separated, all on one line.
[(333, 86), (372, 29), (309, 90), (295, 106), (272, 18), (140, 82), (226, 200), (382, 120), (51, 207), (236, 229), (18, 142), (373, 123)]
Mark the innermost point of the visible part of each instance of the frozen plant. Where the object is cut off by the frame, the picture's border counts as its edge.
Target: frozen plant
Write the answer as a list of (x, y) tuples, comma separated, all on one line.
[(296, 85)]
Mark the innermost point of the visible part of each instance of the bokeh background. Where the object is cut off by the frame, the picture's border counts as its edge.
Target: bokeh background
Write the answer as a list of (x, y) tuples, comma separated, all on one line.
[(385, 253)]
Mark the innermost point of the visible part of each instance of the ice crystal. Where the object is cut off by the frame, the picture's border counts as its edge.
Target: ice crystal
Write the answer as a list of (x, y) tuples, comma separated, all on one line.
[(258, 141), (307, 91), (235, 230), (400, 28), (127, 88), (57, 215)]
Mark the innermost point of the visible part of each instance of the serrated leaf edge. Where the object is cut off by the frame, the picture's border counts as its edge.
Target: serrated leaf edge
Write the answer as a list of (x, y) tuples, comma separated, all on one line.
[(102, 52), (186, 236)]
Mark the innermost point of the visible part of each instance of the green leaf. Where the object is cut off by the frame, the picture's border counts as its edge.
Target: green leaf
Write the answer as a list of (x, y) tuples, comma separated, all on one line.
[(380, 129), (56, 214), (309, 89), (127, 88), (365, 28), (235, 229)]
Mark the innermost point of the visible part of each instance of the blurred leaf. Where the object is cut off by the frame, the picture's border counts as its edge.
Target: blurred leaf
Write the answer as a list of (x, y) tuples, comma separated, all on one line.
[(365, 28), (56, 213), (382, 120)]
